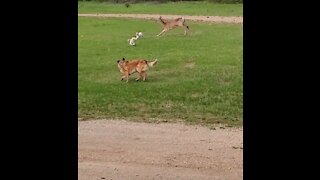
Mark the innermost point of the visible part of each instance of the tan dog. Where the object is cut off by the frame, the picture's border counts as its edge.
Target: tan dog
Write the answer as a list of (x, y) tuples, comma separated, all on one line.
[(136, 65)]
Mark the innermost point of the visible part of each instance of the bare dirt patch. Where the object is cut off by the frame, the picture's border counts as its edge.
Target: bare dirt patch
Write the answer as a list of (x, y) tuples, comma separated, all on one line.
[(216, 19), (110, 149)]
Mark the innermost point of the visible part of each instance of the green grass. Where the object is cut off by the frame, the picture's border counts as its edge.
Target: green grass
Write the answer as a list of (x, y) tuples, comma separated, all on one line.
[(181, 8), (198, 78)]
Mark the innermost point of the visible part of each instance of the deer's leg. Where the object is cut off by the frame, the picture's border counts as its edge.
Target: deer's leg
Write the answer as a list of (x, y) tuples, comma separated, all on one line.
[(186, 28), (164, 30)]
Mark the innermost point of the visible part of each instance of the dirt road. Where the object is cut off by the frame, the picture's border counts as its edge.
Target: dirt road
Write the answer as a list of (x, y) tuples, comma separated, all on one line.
[(121, 150), (215, 19)]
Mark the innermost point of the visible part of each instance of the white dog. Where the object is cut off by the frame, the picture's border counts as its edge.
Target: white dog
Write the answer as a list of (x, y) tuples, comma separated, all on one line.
[(133, 39)]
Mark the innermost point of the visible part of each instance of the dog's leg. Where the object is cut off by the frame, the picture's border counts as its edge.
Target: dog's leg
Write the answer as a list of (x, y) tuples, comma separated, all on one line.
[(164, 30), (139, 77), (122, 77), (126, 75), (144, 74)]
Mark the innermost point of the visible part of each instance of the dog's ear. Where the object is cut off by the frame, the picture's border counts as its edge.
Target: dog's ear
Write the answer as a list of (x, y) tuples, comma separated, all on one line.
[(123, 59)]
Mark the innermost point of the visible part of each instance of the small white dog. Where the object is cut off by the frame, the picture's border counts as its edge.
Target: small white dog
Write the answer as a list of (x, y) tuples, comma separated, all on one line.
[(133, 39)]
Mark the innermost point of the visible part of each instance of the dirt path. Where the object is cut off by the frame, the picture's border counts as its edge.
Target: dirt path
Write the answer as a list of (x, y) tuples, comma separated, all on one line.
[(216, 19), (121, 150)]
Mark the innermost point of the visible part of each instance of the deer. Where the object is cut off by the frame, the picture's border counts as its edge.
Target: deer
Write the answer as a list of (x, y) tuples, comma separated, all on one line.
[(171, 24)]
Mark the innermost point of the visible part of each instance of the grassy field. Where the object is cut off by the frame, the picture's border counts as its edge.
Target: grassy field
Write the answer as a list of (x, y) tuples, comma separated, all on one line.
[(198, 78), (183, 8)]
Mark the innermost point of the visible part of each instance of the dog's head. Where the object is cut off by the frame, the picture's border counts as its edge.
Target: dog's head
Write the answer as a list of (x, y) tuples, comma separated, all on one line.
[(122, 61), (121, 64), (138, 35)]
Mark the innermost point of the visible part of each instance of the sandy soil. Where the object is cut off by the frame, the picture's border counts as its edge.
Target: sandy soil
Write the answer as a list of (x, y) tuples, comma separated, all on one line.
[(215, 19), (110, 149)]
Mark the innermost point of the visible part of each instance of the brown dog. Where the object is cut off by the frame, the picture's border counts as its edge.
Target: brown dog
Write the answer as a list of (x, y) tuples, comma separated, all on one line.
[(136, 65)]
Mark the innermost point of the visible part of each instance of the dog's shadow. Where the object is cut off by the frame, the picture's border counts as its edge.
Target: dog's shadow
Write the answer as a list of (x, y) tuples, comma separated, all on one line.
[(157, 77), (150, 79)]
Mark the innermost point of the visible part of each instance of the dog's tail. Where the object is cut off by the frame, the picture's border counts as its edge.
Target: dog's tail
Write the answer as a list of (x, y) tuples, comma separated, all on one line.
[(152, 63)]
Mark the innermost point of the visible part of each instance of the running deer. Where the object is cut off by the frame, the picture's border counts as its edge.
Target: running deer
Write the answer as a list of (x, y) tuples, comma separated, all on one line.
[(171, 24)]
